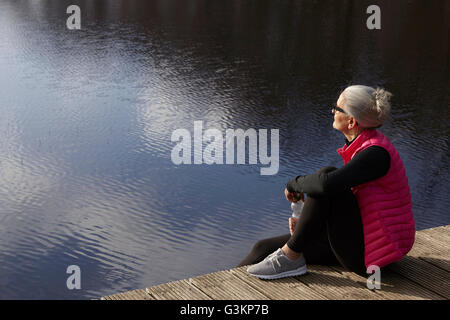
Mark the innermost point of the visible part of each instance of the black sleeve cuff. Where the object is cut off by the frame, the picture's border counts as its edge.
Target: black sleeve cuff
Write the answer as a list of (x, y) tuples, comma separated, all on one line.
[(293, 185)]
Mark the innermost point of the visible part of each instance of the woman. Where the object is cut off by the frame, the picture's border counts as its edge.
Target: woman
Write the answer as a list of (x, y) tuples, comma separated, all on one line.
[(358, 215)]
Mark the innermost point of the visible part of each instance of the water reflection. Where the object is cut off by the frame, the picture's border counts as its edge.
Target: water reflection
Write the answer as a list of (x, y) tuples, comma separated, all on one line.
[(86, 119)]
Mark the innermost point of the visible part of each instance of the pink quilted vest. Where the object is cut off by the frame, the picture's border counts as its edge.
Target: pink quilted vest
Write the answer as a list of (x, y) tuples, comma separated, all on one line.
[(384, 203)]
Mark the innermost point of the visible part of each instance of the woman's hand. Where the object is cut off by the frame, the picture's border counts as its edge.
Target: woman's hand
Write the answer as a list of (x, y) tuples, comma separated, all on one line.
[(292, 224), (291, 197)]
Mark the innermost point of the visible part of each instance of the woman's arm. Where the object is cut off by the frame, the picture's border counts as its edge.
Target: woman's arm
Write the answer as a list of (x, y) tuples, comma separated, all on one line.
[(367, 165)]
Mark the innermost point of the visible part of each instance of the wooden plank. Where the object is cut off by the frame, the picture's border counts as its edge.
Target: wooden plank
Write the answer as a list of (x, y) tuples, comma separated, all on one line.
[(224, 285), (279, 289), (432, 251), (394, 286), (423, 273), (116, 296), (331, 284), (137, 294), (439, 233), (176, 290)]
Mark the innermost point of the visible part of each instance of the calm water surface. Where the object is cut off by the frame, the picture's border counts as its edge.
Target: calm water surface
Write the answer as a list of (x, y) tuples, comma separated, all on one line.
[(86, 118)]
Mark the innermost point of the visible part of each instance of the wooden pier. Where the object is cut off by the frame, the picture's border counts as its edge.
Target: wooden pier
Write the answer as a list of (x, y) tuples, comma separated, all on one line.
[(423, 274)]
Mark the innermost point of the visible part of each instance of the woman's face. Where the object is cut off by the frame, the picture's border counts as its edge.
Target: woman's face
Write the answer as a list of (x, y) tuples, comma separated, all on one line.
[(341, 120)]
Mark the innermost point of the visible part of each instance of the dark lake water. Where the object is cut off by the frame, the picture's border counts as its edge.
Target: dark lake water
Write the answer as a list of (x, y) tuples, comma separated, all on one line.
[(86, 118)]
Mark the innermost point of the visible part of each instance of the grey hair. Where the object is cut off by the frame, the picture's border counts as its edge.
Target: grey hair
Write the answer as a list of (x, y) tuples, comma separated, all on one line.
[(370, 107)]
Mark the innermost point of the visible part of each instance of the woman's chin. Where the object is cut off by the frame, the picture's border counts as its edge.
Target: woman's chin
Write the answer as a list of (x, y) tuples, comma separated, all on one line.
[(336, 128)]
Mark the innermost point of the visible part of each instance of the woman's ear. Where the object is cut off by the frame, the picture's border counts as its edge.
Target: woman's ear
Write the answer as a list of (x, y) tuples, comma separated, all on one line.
[(353, 123)]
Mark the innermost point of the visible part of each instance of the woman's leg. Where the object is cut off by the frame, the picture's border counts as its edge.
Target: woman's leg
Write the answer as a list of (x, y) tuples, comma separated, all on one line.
[(263, 248), (311, 224), (345, 232), (317, 251), (337, 218), (329, 232), (310, 236)]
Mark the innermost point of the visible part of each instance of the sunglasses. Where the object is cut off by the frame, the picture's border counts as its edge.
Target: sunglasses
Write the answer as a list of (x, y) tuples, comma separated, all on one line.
[(334, 109)]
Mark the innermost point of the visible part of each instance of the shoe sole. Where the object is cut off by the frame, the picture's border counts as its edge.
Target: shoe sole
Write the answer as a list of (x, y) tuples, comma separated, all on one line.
[(297, 272)]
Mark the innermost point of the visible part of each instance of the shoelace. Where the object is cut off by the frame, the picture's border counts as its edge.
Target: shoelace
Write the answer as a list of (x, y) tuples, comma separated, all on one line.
[(274, 259)]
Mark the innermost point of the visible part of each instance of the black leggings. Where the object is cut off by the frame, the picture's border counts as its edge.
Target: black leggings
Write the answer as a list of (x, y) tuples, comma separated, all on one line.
[(329, 232)]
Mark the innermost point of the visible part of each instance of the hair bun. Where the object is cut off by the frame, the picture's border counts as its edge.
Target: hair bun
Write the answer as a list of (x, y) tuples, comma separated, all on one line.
[(382, 101)]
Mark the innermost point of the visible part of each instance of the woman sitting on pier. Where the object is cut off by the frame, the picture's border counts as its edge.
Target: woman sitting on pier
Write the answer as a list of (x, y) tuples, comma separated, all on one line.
[(358, 215)]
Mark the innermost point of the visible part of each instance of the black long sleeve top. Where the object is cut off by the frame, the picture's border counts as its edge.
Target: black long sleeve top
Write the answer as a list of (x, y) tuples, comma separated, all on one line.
[(369, 164)]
